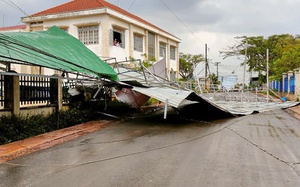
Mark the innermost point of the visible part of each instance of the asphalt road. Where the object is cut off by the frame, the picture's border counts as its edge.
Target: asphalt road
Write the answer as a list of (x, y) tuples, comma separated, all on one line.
[(256, 150)]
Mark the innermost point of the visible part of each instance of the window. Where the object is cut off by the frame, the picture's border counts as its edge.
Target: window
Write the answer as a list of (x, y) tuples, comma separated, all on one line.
[(138, 43), (89, 34), (162, 50), (64, 29), (117, 38), (172, 53), (151, 45)]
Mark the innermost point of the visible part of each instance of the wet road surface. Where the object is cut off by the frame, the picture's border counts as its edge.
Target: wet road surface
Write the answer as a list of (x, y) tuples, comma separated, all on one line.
[(255, 150)]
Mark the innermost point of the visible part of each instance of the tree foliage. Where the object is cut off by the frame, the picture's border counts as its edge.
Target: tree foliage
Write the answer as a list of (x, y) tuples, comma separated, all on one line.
[(284, 53), (214, 79), (187, 64)]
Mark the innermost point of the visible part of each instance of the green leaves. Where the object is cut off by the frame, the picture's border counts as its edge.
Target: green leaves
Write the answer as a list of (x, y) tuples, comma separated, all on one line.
[(284, 53), (187, 65)]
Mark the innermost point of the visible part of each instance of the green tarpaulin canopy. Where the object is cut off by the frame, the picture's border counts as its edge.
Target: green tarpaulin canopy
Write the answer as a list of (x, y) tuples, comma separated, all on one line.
[(54, 49)]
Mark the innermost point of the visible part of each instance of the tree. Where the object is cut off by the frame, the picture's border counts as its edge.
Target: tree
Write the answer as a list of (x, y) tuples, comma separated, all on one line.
[(280, 49), (214, 79), (289, 59), (187, 65)]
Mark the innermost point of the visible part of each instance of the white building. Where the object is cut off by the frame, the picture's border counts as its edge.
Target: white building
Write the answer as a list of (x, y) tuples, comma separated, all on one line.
[(228, 81), (98, 24)]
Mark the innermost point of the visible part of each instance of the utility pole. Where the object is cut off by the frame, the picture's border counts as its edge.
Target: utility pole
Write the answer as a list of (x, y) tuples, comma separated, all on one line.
[(206, 63), (267, 74), (217, 64), (206, 67), (245, 64)]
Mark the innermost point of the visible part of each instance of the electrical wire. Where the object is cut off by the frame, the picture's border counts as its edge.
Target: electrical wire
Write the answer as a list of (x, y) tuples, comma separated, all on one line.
[(12, 4), (182, 22), (131, 5)]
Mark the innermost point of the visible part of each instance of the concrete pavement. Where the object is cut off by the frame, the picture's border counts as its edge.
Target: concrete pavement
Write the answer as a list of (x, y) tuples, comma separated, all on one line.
[(19, 148)]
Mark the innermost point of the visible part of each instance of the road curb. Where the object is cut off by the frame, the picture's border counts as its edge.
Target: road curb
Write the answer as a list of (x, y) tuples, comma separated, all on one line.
[(23, 147)]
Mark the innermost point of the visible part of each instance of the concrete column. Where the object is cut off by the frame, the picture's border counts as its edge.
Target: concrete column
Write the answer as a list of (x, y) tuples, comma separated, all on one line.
[(12, 93), (177, 60), (284, 75), (131, 40), (105, 36), (168, 65), (297, 84), (290, 73), (146, 43), (56, 92), (157, 39)]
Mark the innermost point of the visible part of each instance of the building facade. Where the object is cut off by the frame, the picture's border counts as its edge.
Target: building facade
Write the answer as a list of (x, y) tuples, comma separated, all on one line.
[(110, 32)]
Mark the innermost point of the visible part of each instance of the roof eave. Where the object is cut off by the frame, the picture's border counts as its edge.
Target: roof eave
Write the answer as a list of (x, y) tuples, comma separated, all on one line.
[(64, 15), (156, 30)]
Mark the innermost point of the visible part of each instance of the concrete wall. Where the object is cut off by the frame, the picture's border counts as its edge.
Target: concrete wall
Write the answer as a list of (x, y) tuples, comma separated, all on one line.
[(108, 20), (289, 95)]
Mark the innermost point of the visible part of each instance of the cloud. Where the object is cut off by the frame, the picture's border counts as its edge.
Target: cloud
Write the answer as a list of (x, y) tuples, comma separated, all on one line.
[(196, 22)]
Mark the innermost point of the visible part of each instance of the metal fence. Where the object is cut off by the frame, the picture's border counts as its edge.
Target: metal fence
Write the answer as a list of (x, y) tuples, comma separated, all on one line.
[(34, 90)]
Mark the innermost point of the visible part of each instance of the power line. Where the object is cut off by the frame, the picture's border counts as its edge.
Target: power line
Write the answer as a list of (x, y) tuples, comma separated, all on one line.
[(131, 5), (12, 4), (182, 22)]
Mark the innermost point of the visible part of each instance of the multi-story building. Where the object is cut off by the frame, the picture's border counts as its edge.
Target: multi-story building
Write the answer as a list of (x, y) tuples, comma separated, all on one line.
[(109, 31)]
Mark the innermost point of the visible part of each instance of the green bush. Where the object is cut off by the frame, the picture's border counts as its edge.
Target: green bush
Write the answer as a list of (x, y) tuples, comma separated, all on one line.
[(14, 128), (151, 101)]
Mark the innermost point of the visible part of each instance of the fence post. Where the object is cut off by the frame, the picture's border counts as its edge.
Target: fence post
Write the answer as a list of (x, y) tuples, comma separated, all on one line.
[(297, 84), (290, 74), (12, 93), (284, 75), (56, 95)]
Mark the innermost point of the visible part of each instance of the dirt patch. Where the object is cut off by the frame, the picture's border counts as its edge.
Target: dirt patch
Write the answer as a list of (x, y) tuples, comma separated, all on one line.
[(294, 111)]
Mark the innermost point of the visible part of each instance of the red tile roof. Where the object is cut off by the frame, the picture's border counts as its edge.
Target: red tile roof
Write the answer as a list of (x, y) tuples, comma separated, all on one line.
[(80, 5), (17, 27)]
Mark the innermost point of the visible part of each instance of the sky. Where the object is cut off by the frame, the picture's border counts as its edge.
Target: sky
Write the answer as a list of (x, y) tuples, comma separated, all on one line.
[(196, 22)]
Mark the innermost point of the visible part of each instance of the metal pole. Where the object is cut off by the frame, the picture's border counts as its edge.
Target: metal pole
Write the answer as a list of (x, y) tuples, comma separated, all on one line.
[(256, 95), (166, 109), (245, 63), (206, 67), (267, 74), (217, 64)]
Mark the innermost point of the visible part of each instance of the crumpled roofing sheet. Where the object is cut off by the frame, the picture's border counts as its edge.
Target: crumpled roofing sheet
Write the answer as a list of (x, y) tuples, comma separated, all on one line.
[(246, 108), (54, 49), (174, 96), (178, 97)]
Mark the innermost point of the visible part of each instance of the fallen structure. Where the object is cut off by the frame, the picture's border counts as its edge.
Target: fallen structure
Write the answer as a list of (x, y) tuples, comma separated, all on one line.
[(145, 84)]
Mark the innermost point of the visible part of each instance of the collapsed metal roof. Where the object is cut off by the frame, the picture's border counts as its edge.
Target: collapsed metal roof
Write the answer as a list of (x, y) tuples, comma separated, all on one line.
[(179, 98)]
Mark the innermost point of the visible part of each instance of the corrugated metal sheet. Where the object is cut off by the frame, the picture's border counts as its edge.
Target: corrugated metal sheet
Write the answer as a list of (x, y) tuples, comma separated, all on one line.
[(174, 97), (246, 108), (206, 103), (147, 79)]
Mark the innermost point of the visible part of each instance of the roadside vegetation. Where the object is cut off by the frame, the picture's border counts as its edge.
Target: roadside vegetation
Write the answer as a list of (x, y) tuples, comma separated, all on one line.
[(18, 127), (284, 54)]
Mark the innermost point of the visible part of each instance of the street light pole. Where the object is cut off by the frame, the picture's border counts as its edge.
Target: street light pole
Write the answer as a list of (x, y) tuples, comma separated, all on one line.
[(267, 74), (217, 64), (245, 64)]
